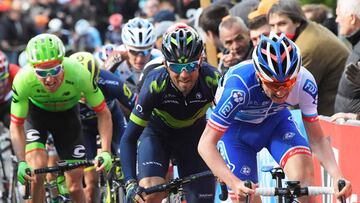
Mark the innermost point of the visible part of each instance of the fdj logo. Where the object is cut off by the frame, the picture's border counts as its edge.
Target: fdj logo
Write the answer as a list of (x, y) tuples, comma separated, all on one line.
[(236, 98), (311, 89)]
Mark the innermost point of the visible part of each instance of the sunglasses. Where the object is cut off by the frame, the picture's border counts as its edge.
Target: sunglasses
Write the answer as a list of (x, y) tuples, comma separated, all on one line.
[(179, 67), (277, 85), (143, 52), (43, 73)]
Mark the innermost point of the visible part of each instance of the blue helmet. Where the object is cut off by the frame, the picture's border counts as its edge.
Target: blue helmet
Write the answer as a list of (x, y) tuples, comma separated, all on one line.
[(276, 58)]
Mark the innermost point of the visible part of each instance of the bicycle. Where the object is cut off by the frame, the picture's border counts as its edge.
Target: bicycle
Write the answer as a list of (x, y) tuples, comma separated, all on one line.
[(175, 186), (113, 185), (61, 167), (10, 187), (293, 190)]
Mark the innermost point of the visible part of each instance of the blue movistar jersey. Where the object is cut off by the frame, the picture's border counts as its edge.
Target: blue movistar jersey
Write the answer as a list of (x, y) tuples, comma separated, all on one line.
[(113, 89), (241, 98), (161, 103)]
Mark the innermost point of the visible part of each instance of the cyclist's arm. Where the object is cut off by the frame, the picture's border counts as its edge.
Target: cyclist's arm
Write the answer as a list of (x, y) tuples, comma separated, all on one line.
[(208, 151), (105, 128), (19, 110), (321, 147), (128, 146)]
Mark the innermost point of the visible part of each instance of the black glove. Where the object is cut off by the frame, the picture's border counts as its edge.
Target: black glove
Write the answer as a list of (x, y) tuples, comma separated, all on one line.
[(352, 73), (133, 189)]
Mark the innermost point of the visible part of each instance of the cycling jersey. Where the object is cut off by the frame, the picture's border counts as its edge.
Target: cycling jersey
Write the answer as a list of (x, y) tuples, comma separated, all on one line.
[(27, 87), (251, 121), (127, 74), (174, 121), (113, 89), (241, 98), (6, 83)]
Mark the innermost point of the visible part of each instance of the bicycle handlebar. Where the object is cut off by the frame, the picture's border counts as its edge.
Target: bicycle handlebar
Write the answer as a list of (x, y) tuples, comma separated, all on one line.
[(61, 166), (177, 183), (306, 191)]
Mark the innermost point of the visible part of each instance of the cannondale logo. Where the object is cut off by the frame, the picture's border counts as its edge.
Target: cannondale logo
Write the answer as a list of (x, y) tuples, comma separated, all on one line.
[(32, 135), (79, 151)]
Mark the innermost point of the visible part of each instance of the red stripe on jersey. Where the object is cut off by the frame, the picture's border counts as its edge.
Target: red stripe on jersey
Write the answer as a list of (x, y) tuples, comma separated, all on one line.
[(215, 126), (17, 120), (100, 107), (310, 119)]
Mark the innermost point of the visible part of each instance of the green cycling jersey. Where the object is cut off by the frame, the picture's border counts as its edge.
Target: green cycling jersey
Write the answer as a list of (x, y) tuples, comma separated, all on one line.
[(77, 81)]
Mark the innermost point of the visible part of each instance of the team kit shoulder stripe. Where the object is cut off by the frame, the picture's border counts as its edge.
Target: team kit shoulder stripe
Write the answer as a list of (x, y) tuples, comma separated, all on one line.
[(17, 120), (100, 107), (216, 126), (134, 118)]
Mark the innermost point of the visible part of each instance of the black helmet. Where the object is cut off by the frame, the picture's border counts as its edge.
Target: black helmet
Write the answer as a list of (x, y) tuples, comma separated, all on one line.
[(182, 44)]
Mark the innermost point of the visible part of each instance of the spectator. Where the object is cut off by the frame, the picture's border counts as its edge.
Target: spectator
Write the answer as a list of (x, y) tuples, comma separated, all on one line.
[(113, 32), (348, 17), (257, 27), (324, 55), (15, 30), (87, 38), (321, 14), (209, 21), (56, 27), (151, 7), (243, 8), (258, 24), (234, 35)]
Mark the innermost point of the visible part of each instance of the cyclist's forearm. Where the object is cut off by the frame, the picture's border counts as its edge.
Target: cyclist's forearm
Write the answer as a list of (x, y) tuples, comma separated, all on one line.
[(18, 140), (105, 129), (128, 146), (322, 149), (208, 151)]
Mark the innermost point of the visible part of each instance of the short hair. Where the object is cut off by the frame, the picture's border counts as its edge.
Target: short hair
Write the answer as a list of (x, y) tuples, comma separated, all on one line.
[(257, 22), (289, 8), (211, 17), (319, 11), (229, 22), (349, 7)]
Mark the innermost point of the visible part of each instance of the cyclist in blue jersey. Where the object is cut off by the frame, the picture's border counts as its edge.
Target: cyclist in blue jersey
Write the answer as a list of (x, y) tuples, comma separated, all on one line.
[(251, 114), (115, 93), (169, 118)]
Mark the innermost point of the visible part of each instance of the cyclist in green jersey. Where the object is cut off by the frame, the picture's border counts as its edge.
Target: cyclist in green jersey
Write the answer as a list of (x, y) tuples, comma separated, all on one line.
[(46, 94)]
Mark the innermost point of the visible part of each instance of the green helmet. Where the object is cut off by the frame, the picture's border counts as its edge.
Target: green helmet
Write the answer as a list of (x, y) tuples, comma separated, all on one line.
[(88, 62), (43, 48)]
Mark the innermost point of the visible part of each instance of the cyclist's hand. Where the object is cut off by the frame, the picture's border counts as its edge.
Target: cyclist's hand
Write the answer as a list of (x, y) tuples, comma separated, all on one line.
[(134, 192), (352, 73), (346, 191), (107, 161), (21, 173), (240, 190), (114, 60)]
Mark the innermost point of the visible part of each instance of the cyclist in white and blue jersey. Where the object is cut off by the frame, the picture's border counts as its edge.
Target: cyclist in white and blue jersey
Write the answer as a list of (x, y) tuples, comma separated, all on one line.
[(128, 60), (252, 114)]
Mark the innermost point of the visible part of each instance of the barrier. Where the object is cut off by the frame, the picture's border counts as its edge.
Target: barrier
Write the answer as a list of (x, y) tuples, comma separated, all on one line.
[(345, 140)]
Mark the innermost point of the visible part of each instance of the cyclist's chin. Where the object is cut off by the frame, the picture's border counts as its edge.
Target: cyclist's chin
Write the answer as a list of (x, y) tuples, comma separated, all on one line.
[(279, 100)]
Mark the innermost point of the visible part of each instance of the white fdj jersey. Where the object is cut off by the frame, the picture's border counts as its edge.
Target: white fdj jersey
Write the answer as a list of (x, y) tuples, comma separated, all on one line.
[(128, 74), (240, 97)]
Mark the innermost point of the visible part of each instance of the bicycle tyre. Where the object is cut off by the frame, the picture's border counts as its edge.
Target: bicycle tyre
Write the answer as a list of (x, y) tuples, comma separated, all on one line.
[(120, 195)]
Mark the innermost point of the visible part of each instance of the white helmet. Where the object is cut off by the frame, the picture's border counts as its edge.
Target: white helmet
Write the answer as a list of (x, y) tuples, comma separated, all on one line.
[(138, 32), (82, 26)]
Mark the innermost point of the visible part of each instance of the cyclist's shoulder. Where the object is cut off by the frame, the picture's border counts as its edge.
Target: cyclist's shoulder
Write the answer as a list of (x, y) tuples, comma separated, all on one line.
[(155, 53), (244, 71)]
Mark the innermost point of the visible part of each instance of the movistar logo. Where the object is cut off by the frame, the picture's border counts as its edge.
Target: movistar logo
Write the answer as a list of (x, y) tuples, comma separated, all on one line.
[(212, 81), (154, 86)]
